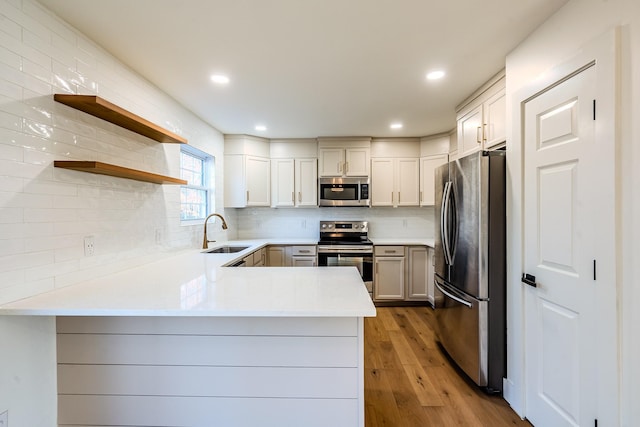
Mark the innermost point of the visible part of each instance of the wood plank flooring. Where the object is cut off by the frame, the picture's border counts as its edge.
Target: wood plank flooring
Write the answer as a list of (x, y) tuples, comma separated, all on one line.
[(409, 382)]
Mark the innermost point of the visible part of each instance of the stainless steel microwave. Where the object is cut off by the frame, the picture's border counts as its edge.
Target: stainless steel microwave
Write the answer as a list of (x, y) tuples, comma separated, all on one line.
[(343, 191)]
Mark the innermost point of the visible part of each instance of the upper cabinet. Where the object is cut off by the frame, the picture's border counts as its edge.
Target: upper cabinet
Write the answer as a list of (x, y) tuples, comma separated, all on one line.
[(395, 172), (395, 182), (344, 156), (482, 118), (247, 171), (428, 166), (294, 173)]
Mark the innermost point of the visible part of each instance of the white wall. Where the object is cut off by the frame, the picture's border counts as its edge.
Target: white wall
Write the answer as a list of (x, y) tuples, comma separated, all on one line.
[(556, 41), (46, 212)]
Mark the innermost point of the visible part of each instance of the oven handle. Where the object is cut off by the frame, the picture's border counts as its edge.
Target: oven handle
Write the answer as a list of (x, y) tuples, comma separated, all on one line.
[(359, 251)]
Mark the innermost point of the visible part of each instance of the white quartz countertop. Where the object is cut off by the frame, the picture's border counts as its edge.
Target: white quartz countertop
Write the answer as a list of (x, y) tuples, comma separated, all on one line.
[(193, 283), (403, 241)]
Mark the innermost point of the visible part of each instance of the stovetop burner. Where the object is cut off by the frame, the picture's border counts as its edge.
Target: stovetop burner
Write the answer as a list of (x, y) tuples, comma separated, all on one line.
[(344, 233)]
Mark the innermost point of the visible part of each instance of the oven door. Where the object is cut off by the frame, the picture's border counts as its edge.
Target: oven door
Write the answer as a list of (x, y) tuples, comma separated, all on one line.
[(362, 261)]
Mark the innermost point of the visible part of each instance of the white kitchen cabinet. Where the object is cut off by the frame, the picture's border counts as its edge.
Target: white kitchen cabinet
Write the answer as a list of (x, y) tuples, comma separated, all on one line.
[(428, 166), (246, 181), (482, 118), (417, 273), (304, 256), (255, 258), (389, 273), (294, 183), (276, 256), (395, 182), (431, 288), (292, 256), (344, 161)]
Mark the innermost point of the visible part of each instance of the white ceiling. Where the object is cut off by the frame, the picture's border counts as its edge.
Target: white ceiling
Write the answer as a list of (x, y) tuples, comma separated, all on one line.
[(309, 68)]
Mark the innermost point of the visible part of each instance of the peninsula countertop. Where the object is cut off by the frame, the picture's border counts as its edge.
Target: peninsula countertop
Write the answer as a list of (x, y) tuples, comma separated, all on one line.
[(193, 283)]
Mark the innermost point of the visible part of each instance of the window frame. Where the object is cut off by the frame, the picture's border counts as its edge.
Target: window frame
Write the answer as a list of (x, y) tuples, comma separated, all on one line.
[(208, 172)]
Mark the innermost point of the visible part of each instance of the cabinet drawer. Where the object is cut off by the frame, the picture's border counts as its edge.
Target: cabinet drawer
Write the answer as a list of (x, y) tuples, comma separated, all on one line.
[(303, 250), (388, 250)]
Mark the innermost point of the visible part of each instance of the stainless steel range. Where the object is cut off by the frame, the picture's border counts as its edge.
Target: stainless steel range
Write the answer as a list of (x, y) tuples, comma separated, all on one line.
[(346, 243)]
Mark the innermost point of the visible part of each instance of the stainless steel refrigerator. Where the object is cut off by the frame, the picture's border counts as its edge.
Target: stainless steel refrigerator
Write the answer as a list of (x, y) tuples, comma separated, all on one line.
[(470, 265)]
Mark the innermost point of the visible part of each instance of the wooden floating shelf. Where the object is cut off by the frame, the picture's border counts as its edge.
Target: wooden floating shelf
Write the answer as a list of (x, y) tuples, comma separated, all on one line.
[(105, 110), (118, 171)]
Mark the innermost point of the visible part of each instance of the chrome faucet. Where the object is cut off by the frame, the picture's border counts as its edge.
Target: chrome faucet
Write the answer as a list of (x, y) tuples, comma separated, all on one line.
[(205, 242)]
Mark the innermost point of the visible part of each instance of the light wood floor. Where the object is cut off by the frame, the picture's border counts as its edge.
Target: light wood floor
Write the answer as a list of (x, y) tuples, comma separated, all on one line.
[(409, 382)]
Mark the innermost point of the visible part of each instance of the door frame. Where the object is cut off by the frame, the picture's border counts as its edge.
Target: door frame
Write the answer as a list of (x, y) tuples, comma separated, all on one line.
[(604, 51)]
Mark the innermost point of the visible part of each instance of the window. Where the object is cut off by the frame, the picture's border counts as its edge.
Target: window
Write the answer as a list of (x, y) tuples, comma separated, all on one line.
[(196, 198)]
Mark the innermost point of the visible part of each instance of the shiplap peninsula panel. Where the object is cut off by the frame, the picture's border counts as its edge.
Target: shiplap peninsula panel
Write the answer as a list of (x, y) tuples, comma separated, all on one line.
[(122, 371)]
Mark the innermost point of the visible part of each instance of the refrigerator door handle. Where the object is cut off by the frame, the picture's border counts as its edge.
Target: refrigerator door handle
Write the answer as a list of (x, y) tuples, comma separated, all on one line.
[(452, 244), (444, 223), (453, 297)]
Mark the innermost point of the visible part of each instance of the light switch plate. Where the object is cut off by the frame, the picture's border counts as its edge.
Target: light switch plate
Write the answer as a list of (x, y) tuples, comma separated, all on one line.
[(4, 419)]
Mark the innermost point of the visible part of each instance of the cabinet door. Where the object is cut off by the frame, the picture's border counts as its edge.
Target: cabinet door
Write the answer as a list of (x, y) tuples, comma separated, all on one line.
[(382, 188), (356, 162), (407, 182), (306, 182), (470, 132), (388, 282), (283, 189), (495, 111), (331, 161), (431, 295), (258, 181), (418, 273), (276, 256), (428, 166), (235, 191)]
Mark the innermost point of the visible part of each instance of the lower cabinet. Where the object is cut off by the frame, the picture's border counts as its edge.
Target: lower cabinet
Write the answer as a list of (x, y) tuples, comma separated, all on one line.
[(256, 258), (403, 273), (389, 273), (292, 256)]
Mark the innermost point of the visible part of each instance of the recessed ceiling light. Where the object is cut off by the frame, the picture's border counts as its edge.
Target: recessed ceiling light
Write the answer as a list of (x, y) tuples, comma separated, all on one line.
[(261, 128), (220, 79), (396, 126), (435, 75)]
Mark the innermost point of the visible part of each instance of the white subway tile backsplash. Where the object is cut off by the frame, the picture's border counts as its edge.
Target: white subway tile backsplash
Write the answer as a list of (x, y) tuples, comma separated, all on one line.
[(11, 246), (26, 260), (11, 152), (36, 49), (9, 58), (10, 27), (44, 211), (9, 278)]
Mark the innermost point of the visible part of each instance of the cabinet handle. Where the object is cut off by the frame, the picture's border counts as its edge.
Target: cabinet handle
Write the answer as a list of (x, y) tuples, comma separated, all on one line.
[(392, 197), (300, 196), (398, 197), (389, 251), (421, 196), (293, 197), (346, 167), (478, 137), (484, 132), (305, 251), (247, 196)]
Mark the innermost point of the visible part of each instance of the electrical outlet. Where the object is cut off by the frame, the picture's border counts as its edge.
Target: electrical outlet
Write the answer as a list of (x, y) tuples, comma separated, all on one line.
[(4, 419), (89, 245)]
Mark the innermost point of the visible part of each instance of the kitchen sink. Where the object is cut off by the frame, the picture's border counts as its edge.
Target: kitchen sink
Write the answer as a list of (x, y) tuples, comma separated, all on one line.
[(227, 249)]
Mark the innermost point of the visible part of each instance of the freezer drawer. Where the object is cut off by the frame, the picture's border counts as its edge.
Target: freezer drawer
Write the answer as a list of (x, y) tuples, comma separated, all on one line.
[(462, 330)]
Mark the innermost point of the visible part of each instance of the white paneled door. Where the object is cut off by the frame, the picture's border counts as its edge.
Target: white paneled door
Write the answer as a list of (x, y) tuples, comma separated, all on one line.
[(560, 175)]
